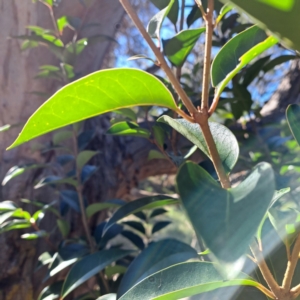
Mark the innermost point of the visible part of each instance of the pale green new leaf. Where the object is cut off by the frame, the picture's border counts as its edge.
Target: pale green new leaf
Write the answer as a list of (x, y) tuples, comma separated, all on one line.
[(95, 94), (83, 158)]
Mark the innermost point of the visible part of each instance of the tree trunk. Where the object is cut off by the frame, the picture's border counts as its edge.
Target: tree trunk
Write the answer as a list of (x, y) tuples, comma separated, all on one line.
[(122, 163)]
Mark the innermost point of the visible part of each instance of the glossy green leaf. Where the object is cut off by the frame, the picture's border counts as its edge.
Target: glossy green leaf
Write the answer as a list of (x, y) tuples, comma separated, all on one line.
[(139, 205), (52, 180), (227, 220), (108, 297), (159, 135), (128, 128), (155, 23), (225, 9), (83, 158), (135, 225), (157, 256), (90, 266), (226, 142), (277, 195), (180, 46), (113, 270), (62, 22), (5, 216), (34, 235), (173, 14), (158, 212), (96, 94), (277, 61), (141, 56), (14, 225), (160, 225), (18, 170), (280, 17), (7, 206), (229, 56), (127, 112), (51, 292), (244, 60), (155, 154), (64, 227), (96, 207), (293, 118), (183, 280)]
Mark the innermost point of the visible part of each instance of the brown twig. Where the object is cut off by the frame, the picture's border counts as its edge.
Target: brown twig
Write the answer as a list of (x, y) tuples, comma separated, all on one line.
[(291, 266), (162, 62), (199, 3), (265, 271), (207, 55)]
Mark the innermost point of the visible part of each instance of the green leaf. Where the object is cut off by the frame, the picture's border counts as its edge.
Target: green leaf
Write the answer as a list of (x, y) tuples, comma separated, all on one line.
[(7, 206), (49, 2), (62, 136), (277, 61), (64, 227), (18, 170), (229, 56), (108, 297), (154, 154), (113, 270), (155, 23), (173, 14), (90, 266), (127, 112), (128, 128), (227, 220), (15, 224), (159, 135), (139, 205), (183, 280), (62, 22), (52, 180), (96, 94), (226, 142), (141, 56), (225, 9), (280, 17), (157, 212), (157, 256), (135, 225), (51, 292), (180, 46), (293, 118), (244, 60), (96, 207), (34, 235), (160, 225), (83, 158)]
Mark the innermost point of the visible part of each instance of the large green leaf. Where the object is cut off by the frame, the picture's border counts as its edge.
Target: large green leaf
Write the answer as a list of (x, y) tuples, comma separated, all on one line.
[(227, 220), (180, 46), (139, 205), (96, 94), (229, 56), (279, 16), (226, 142), (183, 280), (90, 266), (157, 256), (155, 23), (173, 13), (293, 118)]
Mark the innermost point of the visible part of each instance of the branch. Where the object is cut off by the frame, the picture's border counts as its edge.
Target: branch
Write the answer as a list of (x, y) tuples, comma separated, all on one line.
[(266, 273), (182, 94), (291, 266), (207, 55)]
